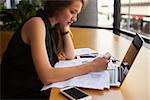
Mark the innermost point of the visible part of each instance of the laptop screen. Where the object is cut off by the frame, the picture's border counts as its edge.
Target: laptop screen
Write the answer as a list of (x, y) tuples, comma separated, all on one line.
[(129, 57)]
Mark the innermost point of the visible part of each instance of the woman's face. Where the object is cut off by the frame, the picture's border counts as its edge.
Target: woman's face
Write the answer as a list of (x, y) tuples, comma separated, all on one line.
[(69, 14)]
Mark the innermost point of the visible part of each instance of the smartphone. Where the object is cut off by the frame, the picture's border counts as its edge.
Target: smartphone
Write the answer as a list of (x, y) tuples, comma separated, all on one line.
[(74, 93)]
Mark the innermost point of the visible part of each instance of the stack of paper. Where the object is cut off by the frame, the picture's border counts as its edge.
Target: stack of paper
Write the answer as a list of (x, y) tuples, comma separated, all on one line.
[(94, 80)]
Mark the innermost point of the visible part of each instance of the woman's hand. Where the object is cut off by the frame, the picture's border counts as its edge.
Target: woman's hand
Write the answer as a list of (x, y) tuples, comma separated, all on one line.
[(64, 28), (100, 64)]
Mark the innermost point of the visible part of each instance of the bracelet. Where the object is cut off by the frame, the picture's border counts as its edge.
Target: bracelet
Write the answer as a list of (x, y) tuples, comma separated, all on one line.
[(65, 33)]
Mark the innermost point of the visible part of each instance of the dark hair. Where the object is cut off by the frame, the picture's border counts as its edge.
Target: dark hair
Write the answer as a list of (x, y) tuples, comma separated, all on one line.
[(52, 6)]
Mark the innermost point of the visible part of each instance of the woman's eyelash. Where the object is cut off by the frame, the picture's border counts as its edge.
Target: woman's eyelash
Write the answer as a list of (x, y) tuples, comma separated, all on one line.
[(73, 12)]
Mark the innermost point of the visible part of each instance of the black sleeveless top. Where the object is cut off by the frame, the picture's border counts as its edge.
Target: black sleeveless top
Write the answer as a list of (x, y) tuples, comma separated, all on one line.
[(17, 67)]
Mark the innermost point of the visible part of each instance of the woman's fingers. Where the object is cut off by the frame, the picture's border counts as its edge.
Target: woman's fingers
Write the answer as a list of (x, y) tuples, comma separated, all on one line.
[(107, 56)]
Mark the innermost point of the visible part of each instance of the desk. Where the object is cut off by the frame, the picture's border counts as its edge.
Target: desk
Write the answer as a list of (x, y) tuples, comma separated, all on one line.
[(137, 83)]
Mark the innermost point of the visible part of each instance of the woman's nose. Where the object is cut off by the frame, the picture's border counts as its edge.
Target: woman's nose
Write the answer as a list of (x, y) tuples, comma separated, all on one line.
[(74, 18)]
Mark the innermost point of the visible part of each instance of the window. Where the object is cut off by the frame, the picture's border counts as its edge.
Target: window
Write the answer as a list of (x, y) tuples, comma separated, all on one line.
[(135, 16), (105, 13)]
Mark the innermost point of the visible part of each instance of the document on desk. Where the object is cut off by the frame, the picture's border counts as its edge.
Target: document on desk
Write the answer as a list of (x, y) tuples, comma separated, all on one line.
[(81, 51), (93, 80)]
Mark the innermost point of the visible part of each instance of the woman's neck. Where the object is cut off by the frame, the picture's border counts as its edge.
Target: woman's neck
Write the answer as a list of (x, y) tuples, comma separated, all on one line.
[(53, 21)]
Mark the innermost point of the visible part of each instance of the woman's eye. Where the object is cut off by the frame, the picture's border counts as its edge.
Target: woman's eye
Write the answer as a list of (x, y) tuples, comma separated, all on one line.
[(72, 12)]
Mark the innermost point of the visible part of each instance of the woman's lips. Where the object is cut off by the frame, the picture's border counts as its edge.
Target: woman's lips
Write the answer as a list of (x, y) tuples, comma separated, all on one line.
[(70, 23)]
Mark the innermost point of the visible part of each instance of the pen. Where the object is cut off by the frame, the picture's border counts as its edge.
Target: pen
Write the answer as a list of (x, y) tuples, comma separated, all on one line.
[(114, 60), (87, 56), (91, 55)]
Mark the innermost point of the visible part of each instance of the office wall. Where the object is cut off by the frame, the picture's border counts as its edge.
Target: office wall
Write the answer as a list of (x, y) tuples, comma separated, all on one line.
[(88, 17)]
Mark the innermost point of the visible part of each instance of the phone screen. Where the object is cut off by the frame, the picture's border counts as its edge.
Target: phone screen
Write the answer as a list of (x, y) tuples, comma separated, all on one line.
[(75, 93)]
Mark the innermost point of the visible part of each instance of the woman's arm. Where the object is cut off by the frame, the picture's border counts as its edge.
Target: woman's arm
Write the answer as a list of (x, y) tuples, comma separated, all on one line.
[(34, 33), (68, 48)]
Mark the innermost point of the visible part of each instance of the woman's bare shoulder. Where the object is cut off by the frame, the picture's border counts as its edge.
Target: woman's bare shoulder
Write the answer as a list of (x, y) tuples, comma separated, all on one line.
[(34, 21), (34, 25), (34, 28)]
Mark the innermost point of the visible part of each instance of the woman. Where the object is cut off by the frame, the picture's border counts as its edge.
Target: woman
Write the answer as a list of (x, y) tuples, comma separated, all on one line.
[(28, 63)]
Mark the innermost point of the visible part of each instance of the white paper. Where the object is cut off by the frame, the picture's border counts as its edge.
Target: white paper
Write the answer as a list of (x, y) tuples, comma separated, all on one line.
[(94, 80), (98, 80), (82, 51)]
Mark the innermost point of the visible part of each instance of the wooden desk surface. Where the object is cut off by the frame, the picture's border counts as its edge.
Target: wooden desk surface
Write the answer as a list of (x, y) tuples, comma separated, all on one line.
[(137, 83)]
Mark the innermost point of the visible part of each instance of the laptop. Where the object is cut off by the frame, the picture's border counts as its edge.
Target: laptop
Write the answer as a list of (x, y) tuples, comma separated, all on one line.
[(119, 73)]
